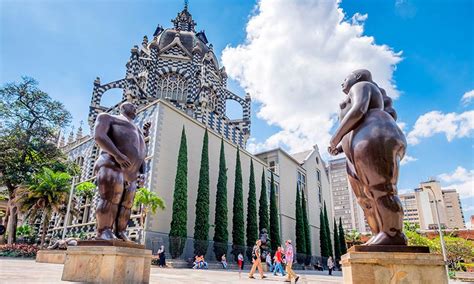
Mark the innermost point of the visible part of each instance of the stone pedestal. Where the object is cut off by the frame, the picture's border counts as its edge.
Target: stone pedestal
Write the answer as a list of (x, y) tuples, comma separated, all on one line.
[(368, 267), (111, 262), (51, 256)]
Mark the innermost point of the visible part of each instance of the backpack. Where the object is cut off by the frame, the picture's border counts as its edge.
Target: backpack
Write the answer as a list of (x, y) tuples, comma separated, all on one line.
[(254, 253)]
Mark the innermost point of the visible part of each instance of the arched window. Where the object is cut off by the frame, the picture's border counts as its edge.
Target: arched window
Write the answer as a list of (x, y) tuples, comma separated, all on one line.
[(213, 101), (173, 87)]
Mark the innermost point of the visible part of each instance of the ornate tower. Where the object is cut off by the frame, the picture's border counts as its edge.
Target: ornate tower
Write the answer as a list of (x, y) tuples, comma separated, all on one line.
[(179, 66)]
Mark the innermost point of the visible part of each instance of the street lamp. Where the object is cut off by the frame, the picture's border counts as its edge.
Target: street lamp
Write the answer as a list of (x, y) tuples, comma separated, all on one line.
[(441, 239)]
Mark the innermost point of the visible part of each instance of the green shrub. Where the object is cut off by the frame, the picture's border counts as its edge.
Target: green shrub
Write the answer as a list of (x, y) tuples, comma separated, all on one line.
[(19, 250)]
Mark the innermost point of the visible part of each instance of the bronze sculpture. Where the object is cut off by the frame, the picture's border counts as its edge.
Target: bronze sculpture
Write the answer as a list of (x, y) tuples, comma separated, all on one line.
[(374, 145), (119, 167)]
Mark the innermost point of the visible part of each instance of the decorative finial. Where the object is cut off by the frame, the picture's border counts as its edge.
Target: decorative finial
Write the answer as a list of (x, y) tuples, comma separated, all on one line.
[(79, 131), (145, 41), (70, 138), (186, 2)]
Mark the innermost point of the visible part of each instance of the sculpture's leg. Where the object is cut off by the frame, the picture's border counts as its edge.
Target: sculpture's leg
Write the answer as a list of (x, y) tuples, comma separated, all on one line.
[(125, 210), (367, 206), (110, 184), (390, 212)]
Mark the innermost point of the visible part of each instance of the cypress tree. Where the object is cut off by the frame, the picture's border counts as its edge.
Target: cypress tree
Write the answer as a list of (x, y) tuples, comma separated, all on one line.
[(238, 226), (328, 232), (306, 224), (178, 231), (300, 231), (337, 248), (252, 227), (342, 238), (201, 224), (322, 234), (274, 223), (220, 219), (263, 218)]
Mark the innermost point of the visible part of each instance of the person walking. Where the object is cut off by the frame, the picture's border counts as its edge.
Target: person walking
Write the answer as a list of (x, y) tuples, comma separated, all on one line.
[(240, 261), (256, 260), (278, 262), (162, 257), (268, 260), (289, 253), (330, 265), (224, 261)]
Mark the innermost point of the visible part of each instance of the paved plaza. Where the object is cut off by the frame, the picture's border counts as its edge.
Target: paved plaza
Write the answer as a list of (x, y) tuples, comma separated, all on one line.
[(28, 271)]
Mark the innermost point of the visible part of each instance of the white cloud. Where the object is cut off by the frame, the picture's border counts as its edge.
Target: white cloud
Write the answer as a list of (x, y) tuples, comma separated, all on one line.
[(467, 97), (461, 179), (453, 125), (296, 55), (407, 159)]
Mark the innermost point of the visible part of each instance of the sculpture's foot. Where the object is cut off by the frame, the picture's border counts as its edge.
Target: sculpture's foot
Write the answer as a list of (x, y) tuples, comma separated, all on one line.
[(106, 235), (371, 240), (383, 238), (123, 235)]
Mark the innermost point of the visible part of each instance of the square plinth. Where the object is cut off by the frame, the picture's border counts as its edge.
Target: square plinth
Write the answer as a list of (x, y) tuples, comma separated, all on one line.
[(393, 267), (107, 264), (51, 256)]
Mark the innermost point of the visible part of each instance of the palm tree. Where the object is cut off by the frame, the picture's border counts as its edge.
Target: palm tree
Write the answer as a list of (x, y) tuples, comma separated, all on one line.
[(45, 194), (148, 201), (86, 189)]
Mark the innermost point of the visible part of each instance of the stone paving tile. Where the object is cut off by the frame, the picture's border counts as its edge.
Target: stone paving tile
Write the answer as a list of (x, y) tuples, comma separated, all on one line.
[(28, 271)]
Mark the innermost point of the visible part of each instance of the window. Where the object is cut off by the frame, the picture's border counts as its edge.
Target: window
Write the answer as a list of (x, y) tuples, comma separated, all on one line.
[(318, 175), (320, 194), (173, 87), (272, 166), (301, 181), (317, 160)]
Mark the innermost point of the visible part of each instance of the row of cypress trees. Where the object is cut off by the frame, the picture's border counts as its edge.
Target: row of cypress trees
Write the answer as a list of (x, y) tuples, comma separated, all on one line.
[(178, 231), (340, 247)]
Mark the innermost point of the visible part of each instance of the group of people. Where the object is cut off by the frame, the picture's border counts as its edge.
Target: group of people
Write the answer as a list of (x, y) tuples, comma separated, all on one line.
[(200, 263), (281, 256)]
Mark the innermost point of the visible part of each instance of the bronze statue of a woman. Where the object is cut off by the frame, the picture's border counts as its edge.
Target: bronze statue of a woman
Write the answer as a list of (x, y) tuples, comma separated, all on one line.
[(374, 146)]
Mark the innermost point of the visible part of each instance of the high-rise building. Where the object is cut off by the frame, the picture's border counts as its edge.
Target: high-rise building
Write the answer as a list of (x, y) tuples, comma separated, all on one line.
[(345, 204), (419, 207)]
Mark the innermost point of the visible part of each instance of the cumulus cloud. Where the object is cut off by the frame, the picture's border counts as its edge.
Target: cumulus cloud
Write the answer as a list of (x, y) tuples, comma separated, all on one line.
[(453, 125), (467, 97), (294, 59), (407, 159), (460, 179)]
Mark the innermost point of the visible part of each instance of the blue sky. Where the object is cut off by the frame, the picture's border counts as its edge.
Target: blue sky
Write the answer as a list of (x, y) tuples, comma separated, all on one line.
[(66, 44)]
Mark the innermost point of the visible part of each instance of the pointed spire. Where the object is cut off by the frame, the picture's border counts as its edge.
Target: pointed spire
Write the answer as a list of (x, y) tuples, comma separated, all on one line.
[(62, 141), (70, 138), (79, 131), (184, 20), (145, 41)]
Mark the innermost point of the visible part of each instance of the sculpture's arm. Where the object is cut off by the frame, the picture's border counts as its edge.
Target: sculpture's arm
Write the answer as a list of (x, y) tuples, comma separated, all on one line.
[(360, 102), (102, 127)]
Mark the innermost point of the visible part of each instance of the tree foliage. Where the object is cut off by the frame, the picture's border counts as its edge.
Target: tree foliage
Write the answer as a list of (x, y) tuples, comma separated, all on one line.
[(337, 245), (221, 234), (299, 229), (322, 234), (30, 121), (147, 201), (274, 220), (307, 232), (328, 231), (252, 227), (342, 238), (178, 231), (201, 224), (263, 217), (47, 192), (86, 189), (238, 226)]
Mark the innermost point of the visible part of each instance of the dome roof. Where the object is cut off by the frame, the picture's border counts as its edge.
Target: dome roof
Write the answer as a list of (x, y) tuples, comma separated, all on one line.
[(188, 39)]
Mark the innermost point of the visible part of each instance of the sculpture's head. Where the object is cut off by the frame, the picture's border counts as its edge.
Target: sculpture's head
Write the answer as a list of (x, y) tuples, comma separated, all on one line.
[(356, 76), (129, 110)]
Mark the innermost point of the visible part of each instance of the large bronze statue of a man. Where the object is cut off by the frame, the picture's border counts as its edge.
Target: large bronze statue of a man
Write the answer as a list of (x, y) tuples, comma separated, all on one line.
[(119, 167), (374, 146)]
